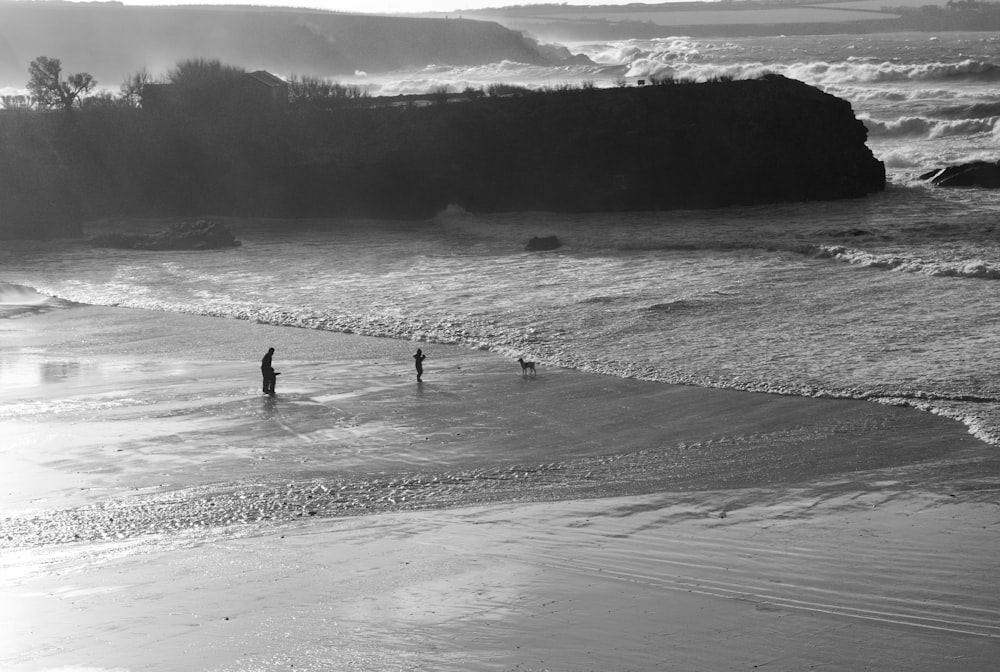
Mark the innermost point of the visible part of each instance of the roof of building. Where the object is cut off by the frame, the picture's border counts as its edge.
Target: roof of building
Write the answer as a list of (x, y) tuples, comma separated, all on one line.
[(266, 78)]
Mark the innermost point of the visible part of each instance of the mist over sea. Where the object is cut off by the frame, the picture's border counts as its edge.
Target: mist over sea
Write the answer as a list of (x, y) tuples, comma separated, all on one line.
[(890, 298)]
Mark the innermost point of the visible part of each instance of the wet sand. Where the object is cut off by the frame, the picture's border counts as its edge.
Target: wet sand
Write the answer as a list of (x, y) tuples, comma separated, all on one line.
[(481, 520)]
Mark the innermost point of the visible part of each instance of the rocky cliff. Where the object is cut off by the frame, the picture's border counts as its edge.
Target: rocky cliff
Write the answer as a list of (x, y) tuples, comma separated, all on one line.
[(660, 147), (38, 196), (680, 145)]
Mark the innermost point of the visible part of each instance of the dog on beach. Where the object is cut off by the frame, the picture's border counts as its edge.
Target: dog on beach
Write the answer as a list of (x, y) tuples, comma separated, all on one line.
[(526, 366)]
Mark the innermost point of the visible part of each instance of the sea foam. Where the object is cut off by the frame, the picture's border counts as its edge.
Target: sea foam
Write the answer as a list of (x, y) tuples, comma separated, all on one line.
[(19, 300)]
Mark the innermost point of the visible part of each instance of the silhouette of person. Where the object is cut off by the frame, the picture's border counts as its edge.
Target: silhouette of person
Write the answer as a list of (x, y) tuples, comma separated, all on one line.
[(267, 372), (418, 359)]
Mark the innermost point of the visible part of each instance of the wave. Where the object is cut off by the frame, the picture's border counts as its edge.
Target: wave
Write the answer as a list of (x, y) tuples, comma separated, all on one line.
[(928, 128), (697, 60), (19, 301), (653, 68), (691, 65), (458, 78), (862, 94), (884, 72), (901, 159), (977, 269), (876, 71), (19, 295), (674, 306), (624, 52), (976, 110)]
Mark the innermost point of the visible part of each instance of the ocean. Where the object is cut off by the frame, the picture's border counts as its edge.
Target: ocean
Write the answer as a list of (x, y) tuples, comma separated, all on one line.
[(891, 298)]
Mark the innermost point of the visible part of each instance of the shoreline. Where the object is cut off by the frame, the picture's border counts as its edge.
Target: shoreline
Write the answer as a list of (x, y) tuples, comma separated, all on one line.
[(979, 413), (109, 380)]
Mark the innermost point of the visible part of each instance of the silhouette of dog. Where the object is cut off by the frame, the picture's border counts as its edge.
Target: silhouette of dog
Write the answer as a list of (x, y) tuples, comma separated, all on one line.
[(526, 366)]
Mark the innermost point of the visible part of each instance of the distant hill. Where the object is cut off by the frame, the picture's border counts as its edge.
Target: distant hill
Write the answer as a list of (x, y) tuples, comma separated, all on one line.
[(110, 40), (736, 18)]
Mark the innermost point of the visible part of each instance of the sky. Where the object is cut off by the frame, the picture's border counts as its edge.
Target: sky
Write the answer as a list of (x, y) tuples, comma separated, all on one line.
[(382, 6)]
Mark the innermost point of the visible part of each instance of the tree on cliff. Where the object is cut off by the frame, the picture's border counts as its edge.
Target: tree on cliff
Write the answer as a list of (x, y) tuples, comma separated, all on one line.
[(133, 86), (205, 82), (49, 89), (309, 92)]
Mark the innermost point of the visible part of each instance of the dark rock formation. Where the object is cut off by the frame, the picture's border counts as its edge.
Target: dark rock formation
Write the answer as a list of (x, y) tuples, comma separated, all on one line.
[(677, 145), (982, 174), (199, 235), (27, 213), (542, 244), (652, 148), (38, 198)]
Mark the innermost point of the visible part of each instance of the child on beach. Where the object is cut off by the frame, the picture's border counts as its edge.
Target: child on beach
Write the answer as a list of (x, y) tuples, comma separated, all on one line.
[(419, 361)]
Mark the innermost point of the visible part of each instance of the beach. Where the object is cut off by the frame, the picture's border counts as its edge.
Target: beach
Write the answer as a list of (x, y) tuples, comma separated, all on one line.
[(161, 513), (758, 438)]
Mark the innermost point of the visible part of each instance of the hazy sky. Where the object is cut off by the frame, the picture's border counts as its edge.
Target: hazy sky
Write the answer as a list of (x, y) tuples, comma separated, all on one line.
[(370, 6)]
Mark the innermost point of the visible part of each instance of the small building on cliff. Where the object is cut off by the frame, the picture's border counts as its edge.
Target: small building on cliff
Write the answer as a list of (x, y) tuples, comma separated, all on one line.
[(255, 90), (267, 89)]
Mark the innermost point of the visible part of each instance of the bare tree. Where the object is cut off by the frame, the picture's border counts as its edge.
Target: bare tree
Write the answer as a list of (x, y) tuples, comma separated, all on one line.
[(132, 87), (15, 102), (198, 73), (49, 89), (439, 94), (207, 84), (310, 91)]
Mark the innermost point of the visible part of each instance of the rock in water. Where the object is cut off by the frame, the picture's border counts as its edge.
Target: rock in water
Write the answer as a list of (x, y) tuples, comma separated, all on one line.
[(983, 174)]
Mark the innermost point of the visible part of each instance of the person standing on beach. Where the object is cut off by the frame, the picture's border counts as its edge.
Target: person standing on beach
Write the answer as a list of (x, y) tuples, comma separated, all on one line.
[(267, 372), (419, 361)]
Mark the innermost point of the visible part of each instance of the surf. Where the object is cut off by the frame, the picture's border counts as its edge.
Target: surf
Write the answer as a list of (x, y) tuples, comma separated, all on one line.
[(20, 300)]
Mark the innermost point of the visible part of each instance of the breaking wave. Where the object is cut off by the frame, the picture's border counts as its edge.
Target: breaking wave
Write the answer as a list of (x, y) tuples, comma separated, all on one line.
[(972, 111), (869, 71), (18, 301), (818, 73), (896, 262), (459, 78), (922, 127), (699, 60), (682, 57)]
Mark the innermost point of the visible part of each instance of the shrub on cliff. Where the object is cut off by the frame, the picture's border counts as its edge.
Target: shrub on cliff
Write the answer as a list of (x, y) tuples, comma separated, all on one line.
[(40, 193)]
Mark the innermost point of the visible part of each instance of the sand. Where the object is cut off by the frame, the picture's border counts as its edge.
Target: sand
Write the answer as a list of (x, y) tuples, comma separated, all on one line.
[(162, 514)]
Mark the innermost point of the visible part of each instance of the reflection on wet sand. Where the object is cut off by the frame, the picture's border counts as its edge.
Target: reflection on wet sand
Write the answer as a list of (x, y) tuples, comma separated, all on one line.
[(31, 371), (157, 446)]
